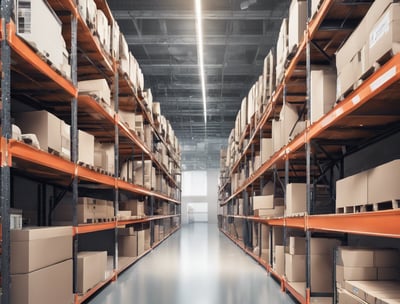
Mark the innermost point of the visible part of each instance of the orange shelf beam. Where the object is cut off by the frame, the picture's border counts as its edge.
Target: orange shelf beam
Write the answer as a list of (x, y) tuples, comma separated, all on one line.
[(23, 50), (88, 101), (89, 228), (299, 297)]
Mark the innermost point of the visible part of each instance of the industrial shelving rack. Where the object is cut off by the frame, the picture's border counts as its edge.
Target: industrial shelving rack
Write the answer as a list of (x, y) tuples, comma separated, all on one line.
[(365, 115), (59, 95)]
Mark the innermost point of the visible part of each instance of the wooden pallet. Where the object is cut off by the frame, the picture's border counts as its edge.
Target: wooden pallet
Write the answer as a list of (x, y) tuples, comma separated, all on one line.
[(388, 205)]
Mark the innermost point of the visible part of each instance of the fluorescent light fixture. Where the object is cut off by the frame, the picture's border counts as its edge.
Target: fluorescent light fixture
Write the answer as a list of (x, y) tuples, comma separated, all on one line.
[(200, 54)]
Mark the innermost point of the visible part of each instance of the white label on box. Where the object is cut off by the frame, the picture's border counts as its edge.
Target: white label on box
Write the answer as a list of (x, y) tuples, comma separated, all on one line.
[(379, 31), (383, 79)]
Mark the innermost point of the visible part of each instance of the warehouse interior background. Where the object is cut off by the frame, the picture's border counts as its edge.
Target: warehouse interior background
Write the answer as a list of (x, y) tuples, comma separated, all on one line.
[(237, 36)]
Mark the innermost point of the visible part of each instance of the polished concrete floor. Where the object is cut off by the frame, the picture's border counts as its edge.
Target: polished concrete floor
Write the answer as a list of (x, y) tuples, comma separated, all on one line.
[(196, 265)]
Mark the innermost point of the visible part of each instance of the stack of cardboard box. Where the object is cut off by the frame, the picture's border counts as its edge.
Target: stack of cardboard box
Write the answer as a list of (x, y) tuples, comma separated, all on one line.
[(127, 242), (40, 275)]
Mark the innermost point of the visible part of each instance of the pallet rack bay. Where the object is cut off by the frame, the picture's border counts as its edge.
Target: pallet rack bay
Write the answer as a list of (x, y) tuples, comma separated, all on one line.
[(31, 80), (363, 116)]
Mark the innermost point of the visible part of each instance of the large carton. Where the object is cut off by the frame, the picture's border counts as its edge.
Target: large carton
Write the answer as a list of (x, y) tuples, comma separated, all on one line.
[(384, 36), (277, 211), (321, 270), (115, 34), (277, 139), (135, 206), (129, 119), (98, 88), (295, 267), (355, 257), (243, 115), (47, 285), (65, 141), (383, 182), (352, 190), (266, 149), (279, 260), (323, 246), (297, 23), (44, 125), (30, 248), (297, 245), (128, 245), (282, 49), (346, 273), (386, 258), (268, 78), (323, 92), (86, 148), (104, 156), (102, 29), (92, 266), (133, 70), (263, 202), (296, 198), (141, 241)]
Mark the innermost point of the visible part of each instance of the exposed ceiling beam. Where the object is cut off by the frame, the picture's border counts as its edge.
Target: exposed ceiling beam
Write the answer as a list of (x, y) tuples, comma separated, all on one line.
[(193, 70), (210, 86), (177, 100), (258, 40), (208, 15)]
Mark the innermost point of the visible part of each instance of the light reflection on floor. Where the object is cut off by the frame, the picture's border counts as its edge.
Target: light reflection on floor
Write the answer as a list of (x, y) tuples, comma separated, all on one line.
[(197, 265)]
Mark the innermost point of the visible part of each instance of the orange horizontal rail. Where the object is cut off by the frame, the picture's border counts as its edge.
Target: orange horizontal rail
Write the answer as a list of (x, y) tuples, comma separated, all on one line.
[(89, 102), (299, 297), (95, 177), (89, 228), (23, 50)]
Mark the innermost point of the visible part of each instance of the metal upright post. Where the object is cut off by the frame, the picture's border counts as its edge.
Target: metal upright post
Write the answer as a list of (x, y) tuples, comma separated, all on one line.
[(116, 163), (74, 142), (152, 201), (308, 158), (6, 9)]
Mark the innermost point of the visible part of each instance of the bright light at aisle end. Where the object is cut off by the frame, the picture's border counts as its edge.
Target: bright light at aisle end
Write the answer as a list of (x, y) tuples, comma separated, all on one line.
[(200, 54)]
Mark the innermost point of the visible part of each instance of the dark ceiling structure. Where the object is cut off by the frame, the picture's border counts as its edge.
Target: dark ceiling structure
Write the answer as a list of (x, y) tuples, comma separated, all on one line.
[(238, 34)]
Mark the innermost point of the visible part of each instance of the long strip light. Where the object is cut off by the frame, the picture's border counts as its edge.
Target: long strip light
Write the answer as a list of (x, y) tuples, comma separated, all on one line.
[(200, 54)]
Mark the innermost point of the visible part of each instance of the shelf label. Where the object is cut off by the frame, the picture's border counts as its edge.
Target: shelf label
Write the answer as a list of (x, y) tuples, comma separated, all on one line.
[(356, 99), (383, 79)]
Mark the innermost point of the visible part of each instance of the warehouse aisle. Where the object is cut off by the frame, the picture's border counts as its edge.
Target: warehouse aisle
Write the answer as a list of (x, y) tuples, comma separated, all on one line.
[(196, 265)]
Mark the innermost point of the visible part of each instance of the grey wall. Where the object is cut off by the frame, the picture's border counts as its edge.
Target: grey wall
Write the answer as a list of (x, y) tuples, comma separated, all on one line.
[(211, 198)]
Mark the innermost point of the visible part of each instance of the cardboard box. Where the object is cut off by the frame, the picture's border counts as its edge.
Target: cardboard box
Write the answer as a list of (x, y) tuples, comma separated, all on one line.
[(268, 78), (352, 190), (277, 139), (297, 245), (290, 127), (346, 273), (295, 267), (297, 23), (133, 70), (128, 245), (384, 36), (277, 211), (388, 273), (91, 13), (372, 291), (104, 156), (323, 92), (243, 115), (115, 34), (344, 297), (382, 182), (47, 285), (321, 273), (282, 49), (143, 173), (266, 149), (97, 87), (92, 266), (263, 202), (279, 260), (323, 246), (65, 141), (141, 242), (37, 19), (123, 49), (129, 118), (136, 207), (44, 125), (296, 199), (355, 257), (30, 248), (147, 239), (86, 148), (103, 30)]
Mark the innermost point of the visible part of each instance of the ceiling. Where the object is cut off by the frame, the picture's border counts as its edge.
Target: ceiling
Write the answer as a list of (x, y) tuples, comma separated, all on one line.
[(162, 36)]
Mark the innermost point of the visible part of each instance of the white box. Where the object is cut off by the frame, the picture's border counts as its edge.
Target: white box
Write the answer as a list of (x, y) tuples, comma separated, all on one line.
[(102, 29), (243, 115), (288, 118), (133, 69), (45, 125), (297, 23), (129, 118), (352, 190), (323, 92), (104, 156), (123, 47), (36, 17), (263, 202), (96, 87), (268, 77), (296, 199), (282, 49), (65, 141), (115, 35), (383, 183), (91, 13), (86, 148)]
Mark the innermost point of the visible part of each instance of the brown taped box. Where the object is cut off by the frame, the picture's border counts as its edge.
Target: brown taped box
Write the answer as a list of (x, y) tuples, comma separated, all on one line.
[(355, 257), (30, 248), (344, 273), (263, 202), (47, 285), (372, 291), (383, 182), (128, 245), (352, 190), (279, 260), (92, 267)]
